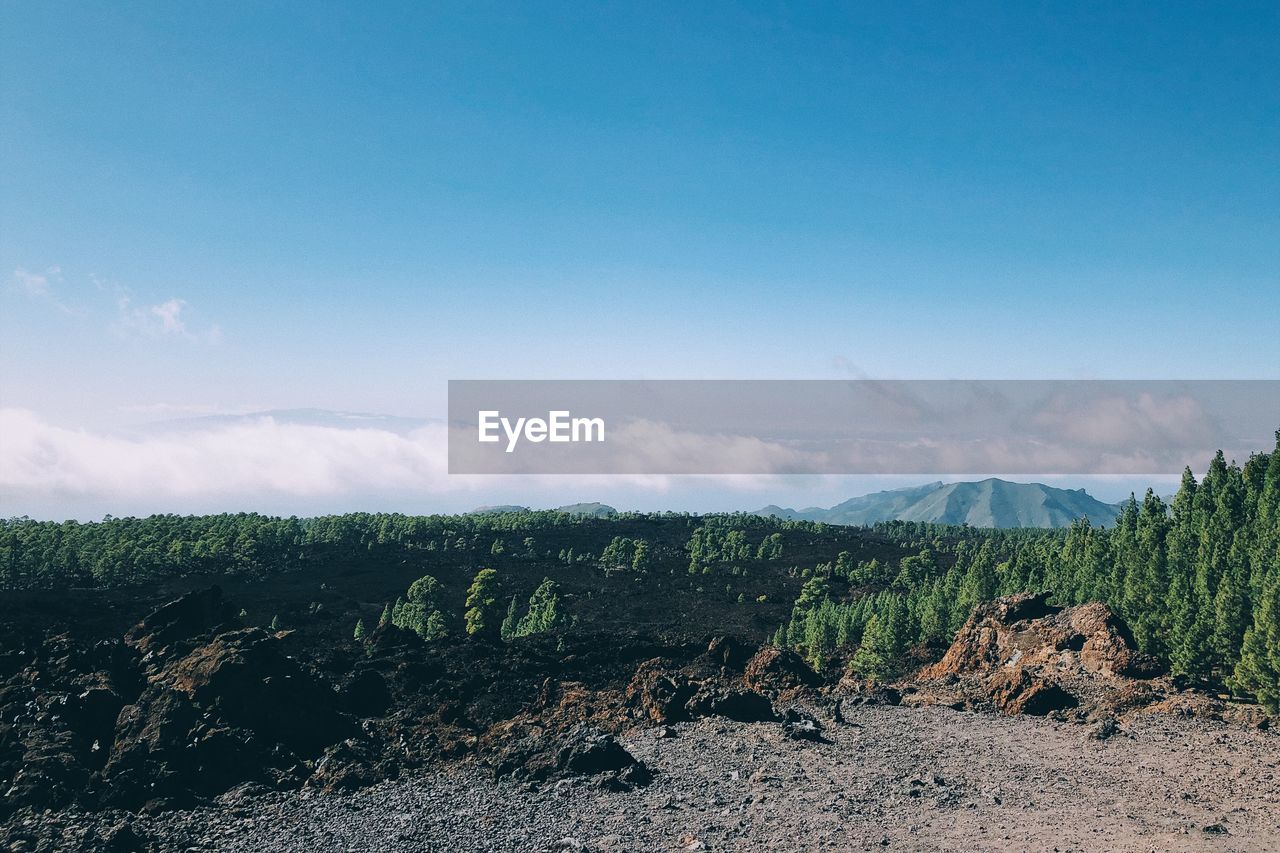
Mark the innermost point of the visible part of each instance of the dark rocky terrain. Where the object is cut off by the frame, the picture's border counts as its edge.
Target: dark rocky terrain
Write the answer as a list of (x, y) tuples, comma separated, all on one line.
[(190, 729), (887, 778)]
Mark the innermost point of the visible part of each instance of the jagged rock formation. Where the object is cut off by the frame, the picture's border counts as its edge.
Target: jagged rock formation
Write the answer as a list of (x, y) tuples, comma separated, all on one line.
[(1023, 655)]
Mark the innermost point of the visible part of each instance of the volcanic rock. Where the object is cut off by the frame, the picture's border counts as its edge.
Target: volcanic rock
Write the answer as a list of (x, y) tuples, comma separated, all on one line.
[(801, 725), (233, 709), (657, 696), (773, 670), (1026, 656), (745, 706), (1025, 630), (581, 751), (1016, 691), (189, 616)]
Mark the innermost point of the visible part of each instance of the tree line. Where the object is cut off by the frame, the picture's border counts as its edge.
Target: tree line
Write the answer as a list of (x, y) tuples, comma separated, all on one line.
[(423, 610), (1197, 580)]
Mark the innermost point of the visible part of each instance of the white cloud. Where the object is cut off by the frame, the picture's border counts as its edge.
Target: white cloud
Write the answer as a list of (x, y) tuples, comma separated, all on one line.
[(164, 319), (167, 319), (44, 286), (170, 315), (37, 458), (36, 284), (1125, 420), (244, 460)]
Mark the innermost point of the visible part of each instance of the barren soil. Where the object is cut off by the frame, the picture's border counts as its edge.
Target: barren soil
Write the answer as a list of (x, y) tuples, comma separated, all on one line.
[(889, 777)]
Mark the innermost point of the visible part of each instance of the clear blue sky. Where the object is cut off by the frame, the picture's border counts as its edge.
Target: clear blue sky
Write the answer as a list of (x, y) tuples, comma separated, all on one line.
[(352, 203)]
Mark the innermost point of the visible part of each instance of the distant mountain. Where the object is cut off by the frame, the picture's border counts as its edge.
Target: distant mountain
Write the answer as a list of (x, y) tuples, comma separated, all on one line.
[(989, 503), (292, 417), (481, 510), (597, 510)]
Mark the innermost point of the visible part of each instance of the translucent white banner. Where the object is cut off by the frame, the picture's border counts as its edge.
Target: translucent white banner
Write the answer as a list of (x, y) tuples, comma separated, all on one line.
[(855, 426)]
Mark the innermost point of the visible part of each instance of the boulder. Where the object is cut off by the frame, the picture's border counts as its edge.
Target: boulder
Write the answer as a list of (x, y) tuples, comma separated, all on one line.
[(801, 725), (774, 670), (1015, 691), (366, 694), (745, 706), (353, 763), (1024, 630), (1108, 647), (540, 755), (257, 687), (728, 652), (1026, 656), (657, 696), (184, 618), (231, 710)]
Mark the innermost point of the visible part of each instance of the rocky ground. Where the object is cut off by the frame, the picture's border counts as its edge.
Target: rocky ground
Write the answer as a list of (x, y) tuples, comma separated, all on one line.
[(894, 777), (1041, 727)]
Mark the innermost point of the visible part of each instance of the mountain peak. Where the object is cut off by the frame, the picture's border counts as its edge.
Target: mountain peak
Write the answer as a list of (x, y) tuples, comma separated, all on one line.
[(984, 503)]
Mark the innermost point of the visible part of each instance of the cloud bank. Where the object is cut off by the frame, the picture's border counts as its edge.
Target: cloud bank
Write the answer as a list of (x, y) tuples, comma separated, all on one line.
[(260, 455), (249, 462)]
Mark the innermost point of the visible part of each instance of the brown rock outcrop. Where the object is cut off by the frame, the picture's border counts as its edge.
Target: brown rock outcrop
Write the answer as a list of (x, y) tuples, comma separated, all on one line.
[(775, 670), (1024, 630), (1026, 656)]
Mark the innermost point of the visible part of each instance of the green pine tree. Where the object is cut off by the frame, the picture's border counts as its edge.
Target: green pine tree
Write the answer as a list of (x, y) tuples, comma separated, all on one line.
[(543, 613), (876, 656), (642, 560), (508, 630), (482, 599), (1258, 670), (420, 610)]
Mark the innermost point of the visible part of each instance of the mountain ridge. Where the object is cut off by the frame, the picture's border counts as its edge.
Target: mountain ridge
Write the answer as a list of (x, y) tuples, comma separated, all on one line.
[(985, 503), (594, 509)]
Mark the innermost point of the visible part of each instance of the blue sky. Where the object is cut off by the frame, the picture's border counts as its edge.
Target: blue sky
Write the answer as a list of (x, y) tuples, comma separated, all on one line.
[(233, 206)]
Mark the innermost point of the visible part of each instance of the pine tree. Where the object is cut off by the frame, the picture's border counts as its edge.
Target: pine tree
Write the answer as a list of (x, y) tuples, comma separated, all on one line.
[(508, 630), (1181, 545), (358, 634), (641, 560), (876, 655), (980, 581), (1231, 608), (435, 627), (420, 611), (820, 633), (543, 613), (386, 615), (1258, 670), (934, 615), (814, 592), (482, 597), (1141, 597), (1125, 555)]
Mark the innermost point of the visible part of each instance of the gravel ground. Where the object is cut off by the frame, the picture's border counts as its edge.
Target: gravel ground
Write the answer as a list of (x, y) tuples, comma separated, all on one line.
[(917, 779)]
